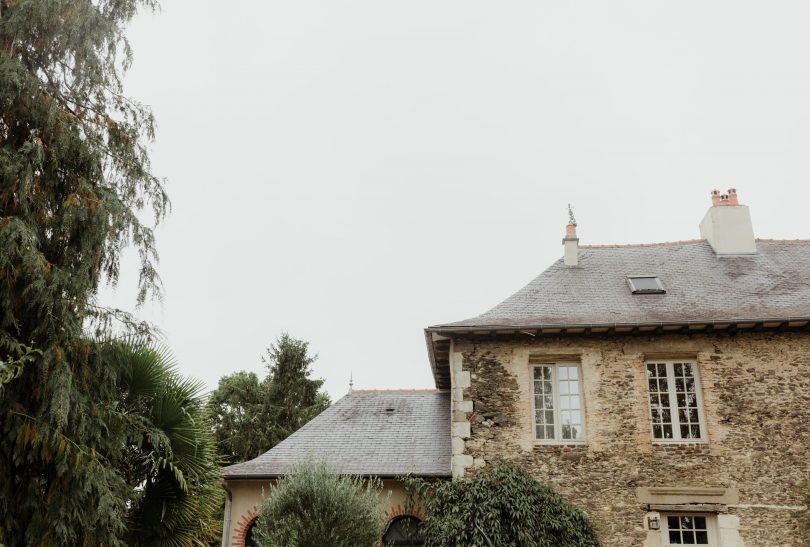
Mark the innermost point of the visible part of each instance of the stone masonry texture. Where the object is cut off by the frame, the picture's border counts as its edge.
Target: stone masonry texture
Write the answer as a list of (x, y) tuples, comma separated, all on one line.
[(756, 401)]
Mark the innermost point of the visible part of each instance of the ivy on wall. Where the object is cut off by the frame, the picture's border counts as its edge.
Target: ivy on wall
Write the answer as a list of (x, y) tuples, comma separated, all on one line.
[(500, 505)]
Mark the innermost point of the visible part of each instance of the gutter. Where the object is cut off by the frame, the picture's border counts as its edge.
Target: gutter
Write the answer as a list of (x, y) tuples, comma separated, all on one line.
[(226, 524)]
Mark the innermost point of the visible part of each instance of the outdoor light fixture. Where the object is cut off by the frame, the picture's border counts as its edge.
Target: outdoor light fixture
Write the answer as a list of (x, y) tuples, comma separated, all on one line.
[(653, 523)]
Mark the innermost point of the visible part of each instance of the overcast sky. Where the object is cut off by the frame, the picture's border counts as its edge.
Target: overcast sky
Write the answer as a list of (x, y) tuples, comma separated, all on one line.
[(352, 172)]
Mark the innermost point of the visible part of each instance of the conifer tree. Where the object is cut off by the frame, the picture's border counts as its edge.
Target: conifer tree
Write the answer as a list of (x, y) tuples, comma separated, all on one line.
[(251, 415), (74, 177)]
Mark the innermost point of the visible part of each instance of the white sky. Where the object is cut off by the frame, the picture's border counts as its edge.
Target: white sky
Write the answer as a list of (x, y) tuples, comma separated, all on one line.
[(353, 172)]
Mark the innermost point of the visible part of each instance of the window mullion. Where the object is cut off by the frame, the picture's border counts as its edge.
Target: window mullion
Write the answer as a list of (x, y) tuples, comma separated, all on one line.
[(555, 389), (673, 402)]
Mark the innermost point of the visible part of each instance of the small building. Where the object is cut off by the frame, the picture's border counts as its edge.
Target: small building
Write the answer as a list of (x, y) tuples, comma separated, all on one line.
[(383, 434)]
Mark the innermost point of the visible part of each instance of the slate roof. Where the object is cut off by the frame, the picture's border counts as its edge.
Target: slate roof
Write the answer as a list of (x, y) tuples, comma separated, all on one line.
[(358, 435), (700, 287)]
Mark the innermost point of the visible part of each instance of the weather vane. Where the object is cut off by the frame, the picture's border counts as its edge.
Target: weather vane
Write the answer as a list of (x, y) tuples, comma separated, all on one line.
[(571, 219)]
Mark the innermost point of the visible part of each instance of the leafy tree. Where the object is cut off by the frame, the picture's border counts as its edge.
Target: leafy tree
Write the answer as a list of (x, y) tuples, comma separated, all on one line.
[(170, 459), (74, 178), (251, 415), (313, 506), (503, 504)]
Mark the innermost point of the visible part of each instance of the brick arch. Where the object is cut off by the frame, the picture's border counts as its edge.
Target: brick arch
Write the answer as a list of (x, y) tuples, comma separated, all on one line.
[(399, 511), (242, 527)]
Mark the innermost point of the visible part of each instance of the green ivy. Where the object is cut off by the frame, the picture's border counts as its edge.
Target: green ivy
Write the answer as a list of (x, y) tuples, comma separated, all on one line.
[(500, 505)]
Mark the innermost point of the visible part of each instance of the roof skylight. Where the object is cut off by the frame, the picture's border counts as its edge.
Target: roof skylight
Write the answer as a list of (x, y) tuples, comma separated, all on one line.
[(645, 284)]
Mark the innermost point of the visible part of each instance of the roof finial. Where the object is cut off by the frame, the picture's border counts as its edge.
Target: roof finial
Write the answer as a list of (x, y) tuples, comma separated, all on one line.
[(351, 382), (571, 219)]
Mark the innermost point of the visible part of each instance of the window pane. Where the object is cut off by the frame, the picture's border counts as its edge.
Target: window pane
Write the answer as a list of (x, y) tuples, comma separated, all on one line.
[(667, 431), (547, 373), (549, 432), (576, 417), (573, 373), (675, 537), (575, 402), (562, 373), (540, 432), (565, 402), (700, 522), (563, 388), (549, 416), (701, 537), (574, 387)]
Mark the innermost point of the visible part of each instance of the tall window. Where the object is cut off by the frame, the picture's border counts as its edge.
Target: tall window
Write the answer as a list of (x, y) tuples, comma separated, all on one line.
[(675, 410), (558, 408)]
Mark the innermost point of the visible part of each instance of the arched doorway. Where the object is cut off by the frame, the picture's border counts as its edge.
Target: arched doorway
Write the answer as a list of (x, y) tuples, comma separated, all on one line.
[(404, 530), (249, 539)]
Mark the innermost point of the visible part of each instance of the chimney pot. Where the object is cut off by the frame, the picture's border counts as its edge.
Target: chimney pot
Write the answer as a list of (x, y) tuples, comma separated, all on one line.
[(715, 197), (724, 199), (732, 197)]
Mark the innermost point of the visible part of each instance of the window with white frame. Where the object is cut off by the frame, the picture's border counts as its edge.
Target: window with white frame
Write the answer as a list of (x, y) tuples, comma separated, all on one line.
[(684, 529), (558, 408), (675, 406)]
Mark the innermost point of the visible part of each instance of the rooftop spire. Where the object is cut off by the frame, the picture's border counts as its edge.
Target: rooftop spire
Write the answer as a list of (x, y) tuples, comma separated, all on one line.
[(351, 382), (571, 220)]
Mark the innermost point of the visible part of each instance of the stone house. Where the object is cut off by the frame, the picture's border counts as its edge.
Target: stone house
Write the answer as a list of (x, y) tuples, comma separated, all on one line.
[(664, 388)]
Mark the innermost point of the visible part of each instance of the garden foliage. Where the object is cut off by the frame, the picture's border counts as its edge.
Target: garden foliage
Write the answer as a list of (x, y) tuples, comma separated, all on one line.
[(502, 504), (318, 507)]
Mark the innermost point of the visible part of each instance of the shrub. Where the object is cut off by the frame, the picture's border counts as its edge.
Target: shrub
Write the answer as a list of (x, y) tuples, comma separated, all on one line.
[(318, 507), (506, 505)]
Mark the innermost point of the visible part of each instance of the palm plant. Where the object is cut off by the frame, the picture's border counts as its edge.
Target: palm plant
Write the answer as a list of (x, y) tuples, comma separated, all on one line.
[(170, 459)]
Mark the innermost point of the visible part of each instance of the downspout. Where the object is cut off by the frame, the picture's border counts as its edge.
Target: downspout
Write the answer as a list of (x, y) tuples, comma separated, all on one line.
[(226, 524)]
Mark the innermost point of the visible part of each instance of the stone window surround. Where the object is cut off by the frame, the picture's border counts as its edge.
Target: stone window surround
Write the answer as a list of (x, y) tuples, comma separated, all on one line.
[(704, 438), (535, 363), (660, 501)]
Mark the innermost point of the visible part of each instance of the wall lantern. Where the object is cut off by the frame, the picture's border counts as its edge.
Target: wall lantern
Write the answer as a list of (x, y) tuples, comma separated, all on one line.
[(653, 523)]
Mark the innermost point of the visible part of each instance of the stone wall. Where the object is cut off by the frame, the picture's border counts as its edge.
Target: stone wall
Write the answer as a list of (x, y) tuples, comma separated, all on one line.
[(756, 402)]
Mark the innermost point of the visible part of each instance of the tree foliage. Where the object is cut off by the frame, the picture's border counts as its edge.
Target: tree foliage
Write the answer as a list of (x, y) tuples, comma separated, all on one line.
[(252, 415), (74, 178), (504, 504), (170, 457), (314, 506)]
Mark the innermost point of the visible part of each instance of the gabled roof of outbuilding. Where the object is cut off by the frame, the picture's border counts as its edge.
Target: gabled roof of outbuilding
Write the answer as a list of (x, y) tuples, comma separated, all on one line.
[(700, 287), (359, 435)]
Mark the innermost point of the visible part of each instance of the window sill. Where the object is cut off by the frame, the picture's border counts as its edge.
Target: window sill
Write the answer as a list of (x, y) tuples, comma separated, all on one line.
[(560, 443), (662, 442)]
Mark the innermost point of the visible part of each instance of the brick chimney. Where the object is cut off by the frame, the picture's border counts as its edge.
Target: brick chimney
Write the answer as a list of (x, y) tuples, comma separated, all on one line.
[(571, 241), (727, 225)]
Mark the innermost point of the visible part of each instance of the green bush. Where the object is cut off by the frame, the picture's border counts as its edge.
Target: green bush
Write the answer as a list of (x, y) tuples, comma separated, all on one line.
[(313, 507), (504, 504)]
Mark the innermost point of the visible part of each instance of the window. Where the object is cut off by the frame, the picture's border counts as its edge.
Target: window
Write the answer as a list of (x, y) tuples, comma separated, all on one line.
[(645, 284), (558, 409), (675, 410), (682, 529)]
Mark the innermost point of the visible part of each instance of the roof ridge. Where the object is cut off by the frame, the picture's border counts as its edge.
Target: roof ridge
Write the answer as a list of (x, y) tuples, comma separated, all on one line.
[(765, 240), (372, 391), (658, 244)]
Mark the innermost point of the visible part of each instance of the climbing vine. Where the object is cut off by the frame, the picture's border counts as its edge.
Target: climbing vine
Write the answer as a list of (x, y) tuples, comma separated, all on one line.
[(501, 505)]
